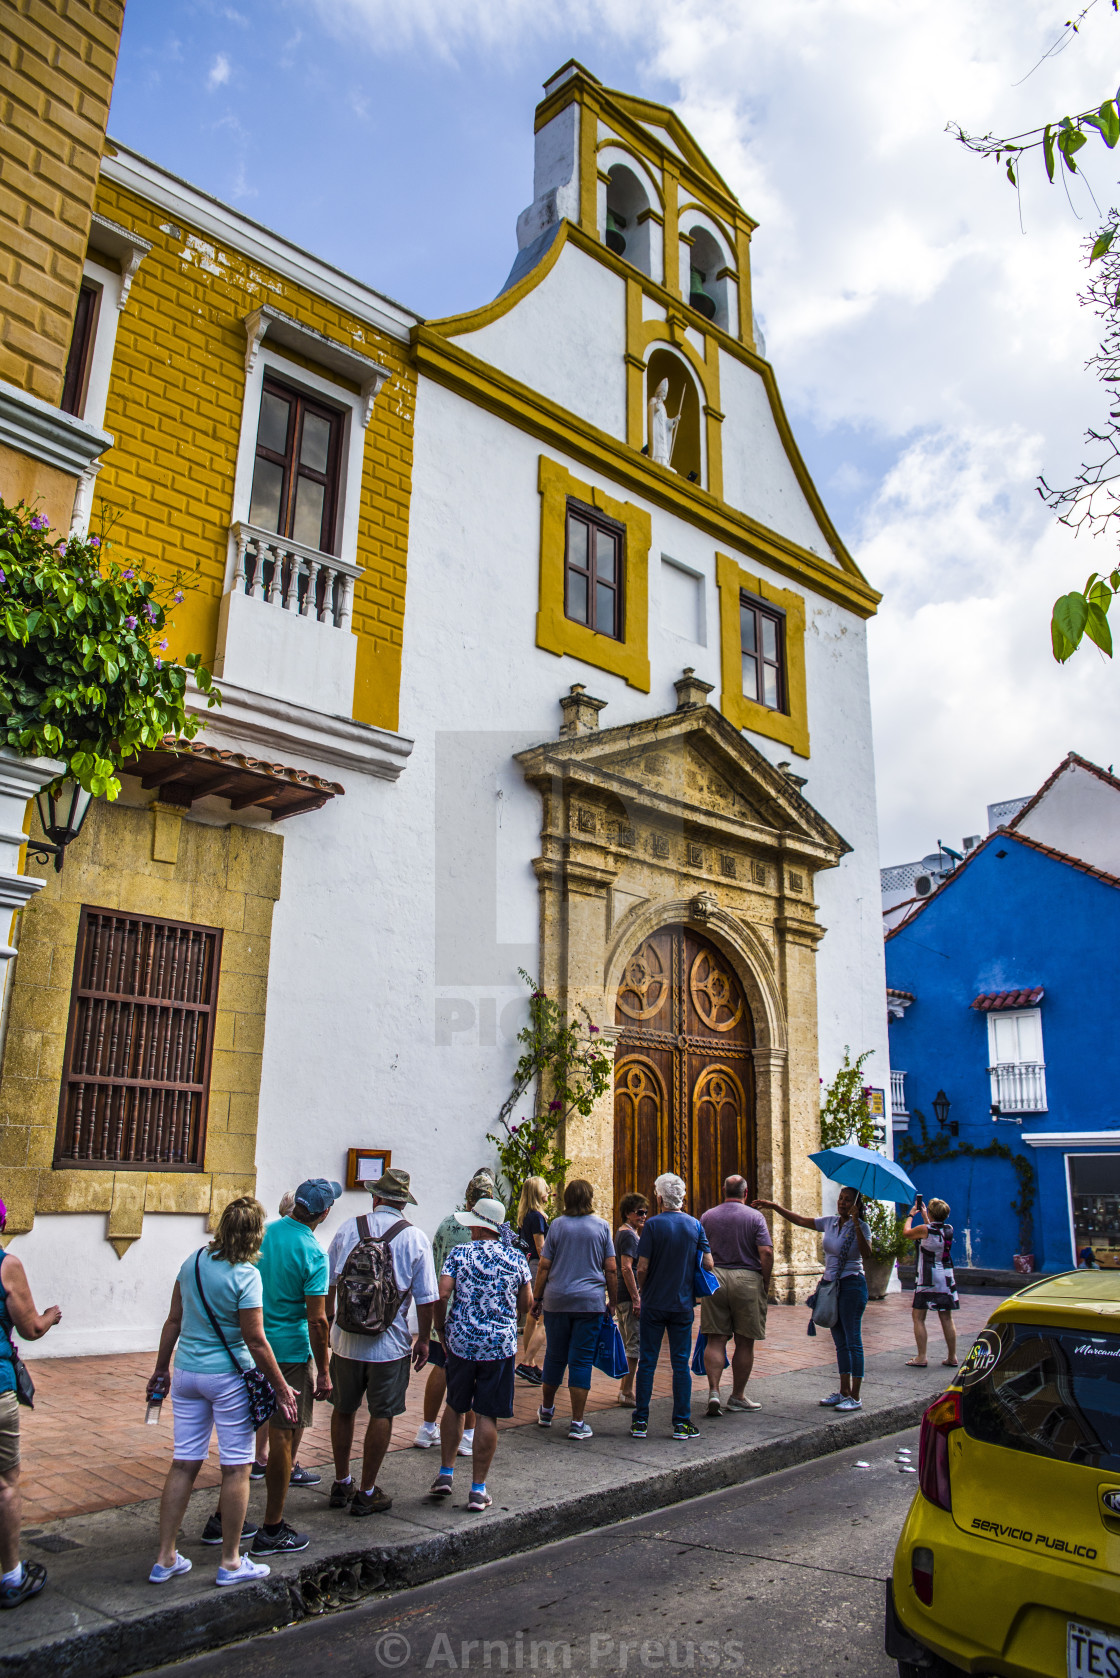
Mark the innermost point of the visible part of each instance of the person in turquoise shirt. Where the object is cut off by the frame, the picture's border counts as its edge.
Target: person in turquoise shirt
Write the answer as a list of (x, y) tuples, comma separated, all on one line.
[(294, 1273)]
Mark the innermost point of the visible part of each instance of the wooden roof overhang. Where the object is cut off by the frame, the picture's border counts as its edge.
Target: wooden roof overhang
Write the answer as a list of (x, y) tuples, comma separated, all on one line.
[(183, 771)]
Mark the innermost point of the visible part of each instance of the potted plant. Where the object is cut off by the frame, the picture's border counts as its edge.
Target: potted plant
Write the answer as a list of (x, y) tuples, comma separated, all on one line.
[(83, 674), (846, 1117), (887, 1244)]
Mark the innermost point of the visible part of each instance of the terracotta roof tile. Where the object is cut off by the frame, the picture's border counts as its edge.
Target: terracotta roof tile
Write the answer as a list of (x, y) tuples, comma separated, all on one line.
[(185, 770), (992, 1001)]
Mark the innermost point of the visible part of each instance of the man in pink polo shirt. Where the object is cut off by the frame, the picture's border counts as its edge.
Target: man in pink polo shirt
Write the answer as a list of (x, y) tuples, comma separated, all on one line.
[(743, 1254)]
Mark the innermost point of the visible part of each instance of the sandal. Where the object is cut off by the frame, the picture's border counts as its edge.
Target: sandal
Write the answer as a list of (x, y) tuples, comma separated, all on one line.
[(34, 1578), (949, 1363), (916, 1363)]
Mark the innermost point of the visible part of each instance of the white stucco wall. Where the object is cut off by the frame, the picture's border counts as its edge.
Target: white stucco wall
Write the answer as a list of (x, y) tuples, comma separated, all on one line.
[(566, 339), (1079, 815), (407, 907), (757, 475)]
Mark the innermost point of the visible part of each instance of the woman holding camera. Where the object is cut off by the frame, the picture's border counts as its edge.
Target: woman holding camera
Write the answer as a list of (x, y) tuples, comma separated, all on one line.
[(935, 1286)]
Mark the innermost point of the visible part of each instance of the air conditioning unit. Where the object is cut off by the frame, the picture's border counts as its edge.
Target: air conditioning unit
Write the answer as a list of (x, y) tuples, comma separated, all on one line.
[(923, 885)]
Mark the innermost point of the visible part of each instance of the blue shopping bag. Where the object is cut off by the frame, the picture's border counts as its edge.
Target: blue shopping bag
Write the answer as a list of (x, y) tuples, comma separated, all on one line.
[(698, 1355), (610, 1352)]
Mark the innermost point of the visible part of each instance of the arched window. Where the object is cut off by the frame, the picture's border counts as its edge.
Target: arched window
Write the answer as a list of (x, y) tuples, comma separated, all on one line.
[(628, 227), (707, 290), (682, 402)]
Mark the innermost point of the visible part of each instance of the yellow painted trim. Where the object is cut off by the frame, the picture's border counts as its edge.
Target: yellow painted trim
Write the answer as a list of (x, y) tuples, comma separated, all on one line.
[(635, 368), (624, 145), (453, 366), (557, 633), (629, 116), (473, 320), (670, 262), (589, 168), (792, 729), (705, 210), (746, 306)]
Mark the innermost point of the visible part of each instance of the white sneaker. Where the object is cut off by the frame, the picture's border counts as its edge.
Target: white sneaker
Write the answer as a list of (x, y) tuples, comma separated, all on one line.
[(466, 1444), (849, 1404), (427, 1435), (580, 1430), (160, 1575), (249, 1569)]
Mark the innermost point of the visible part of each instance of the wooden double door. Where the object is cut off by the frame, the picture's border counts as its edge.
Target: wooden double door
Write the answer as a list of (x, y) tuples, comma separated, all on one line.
[(684, 1079)]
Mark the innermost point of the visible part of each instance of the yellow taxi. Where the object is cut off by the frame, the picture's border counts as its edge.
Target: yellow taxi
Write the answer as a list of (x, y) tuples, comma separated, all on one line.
[(1009, 1561)]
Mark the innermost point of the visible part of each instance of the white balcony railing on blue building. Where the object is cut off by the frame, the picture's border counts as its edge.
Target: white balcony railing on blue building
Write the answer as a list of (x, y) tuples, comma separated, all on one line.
[(898, 1095), (1019, 1086)]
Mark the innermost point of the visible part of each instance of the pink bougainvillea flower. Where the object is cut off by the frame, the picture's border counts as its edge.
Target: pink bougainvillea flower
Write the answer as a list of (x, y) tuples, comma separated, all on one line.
[(554, 1106), (594, 1031)]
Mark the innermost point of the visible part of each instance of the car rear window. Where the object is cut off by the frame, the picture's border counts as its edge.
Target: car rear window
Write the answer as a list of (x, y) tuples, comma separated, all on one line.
[(1051, 1392)]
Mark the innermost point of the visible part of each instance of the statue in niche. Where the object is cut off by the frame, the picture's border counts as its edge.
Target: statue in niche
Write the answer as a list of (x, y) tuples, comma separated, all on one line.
[(662, 427)]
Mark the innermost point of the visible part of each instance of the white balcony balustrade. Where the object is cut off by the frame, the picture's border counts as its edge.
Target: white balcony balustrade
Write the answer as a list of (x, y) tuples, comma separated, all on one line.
[(898, 1095), (285, 623), (1019, 1086), (297, 579)]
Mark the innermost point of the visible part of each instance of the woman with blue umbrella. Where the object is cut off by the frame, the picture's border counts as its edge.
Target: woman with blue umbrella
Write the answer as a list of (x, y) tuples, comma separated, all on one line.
[(847, 1243)]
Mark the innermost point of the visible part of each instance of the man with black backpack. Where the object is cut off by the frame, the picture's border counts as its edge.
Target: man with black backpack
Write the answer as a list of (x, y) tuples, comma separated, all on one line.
[(379, 1265)]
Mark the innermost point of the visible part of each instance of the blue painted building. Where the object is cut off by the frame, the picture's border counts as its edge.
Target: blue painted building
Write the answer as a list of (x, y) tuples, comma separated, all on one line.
[(1004, 996)]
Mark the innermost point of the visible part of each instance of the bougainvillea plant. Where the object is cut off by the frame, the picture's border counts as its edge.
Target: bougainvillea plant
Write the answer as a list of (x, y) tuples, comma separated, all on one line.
[(570, 1070), (83, 672)]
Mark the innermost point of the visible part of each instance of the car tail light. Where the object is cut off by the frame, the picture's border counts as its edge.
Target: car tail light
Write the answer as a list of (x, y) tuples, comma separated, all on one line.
[(943, 1415), (921, 1573)]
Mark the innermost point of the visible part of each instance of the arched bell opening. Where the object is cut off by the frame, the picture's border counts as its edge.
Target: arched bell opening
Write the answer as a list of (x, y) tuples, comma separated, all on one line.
[(684, 1074), (682, 404), (707, 290), (628, 226)]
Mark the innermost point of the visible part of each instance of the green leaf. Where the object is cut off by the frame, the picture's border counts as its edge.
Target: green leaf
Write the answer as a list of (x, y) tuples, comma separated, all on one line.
[(1048, 151), (1096, 628), (1070, 141), (1011, 173), (1102, 243), (1071, 613)]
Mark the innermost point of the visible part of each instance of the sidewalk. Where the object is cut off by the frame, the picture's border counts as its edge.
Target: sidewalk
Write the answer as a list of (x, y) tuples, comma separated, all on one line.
[(99, 1617), (86, 1447)]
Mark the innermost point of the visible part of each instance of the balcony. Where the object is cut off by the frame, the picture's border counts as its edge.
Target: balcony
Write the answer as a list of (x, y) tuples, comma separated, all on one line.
[(1019, 1086), (284, 627), (898, 1095)]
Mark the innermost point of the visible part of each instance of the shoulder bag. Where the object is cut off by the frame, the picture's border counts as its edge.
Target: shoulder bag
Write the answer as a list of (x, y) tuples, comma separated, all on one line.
[(25, 1386), (704, 1282), (824, 1302), (258, 1387)]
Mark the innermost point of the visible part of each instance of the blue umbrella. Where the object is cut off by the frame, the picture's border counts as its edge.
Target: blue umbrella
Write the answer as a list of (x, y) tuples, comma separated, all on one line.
[(872, 1173)]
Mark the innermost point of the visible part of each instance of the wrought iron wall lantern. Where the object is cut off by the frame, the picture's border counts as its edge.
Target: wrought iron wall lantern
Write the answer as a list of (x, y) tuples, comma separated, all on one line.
[(941, 1105), (63, 808)]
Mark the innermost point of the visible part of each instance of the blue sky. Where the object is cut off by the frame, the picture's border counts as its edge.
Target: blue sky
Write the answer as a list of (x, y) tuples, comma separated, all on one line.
[(931, 355)]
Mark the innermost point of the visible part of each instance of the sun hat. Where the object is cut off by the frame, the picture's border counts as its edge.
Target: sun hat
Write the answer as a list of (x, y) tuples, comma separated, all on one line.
[(484, 1214), (316, 1195), (393, 1186)]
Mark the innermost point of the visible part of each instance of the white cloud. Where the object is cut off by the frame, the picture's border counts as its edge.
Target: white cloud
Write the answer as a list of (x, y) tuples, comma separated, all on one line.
[(219, 72), (899, 298)]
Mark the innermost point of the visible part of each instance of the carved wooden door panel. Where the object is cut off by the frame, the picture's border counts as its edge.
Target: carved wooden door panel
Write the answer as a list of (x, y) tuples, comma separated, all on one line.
[(684, 1083)]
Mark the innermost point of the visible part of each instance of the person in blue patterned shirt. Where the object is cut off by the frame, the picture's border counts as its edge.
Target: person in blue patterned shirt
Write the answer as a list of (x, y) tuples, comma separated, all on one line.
[(482, 1286)]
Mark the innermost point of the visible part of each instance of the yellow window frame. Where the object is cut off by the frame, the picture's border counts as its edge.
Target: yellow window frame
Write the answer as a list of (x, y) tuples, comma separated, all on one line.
[(790, 727), (556, 633)]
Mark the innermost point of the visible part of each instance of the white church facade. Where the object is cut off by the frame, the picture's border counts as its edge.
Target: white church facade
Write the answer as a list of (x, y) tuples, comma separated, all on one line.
[(628, 748)]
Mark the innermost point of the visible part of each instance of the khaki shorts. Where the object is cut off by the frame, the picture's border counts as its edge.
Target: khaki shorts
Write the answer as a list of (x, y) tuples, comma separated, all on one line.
[(628, 1328), (9, 1432), (384, 1385), (301, 1378), (738, 1308)]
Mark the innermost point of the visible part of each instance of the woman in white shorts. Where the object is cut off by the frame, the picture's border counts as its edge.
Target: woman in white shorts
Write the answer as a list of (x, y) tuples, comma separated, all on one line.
[(207, 1392)]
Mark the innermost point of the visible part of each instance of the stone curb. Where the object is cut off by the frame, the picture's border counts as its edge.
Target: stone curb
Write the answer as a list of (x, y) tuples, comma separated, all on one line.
[(344, 1577)]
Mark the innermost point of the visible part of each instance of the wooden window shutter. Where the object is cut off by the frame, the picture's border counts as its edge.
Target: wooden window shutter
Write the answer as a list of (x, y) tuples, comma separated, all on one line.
[(138, 1046)]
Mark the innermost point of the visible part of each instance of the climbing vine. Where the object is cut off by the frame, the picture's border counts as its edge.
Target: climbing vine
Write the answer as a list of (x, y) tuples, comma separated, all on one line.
[(570, 1070), (939, 1149)]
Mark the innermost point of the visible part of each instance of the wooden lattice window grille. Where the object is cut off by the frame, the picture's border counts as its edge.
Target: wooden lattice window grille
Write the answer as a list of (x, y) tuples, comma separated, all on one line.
[(138, 1046)]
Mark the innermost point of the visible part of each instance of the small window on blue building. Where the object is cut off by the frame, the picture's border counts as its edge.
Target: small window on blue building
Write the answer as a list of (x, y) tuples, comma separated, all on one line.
[(1015, 1061)]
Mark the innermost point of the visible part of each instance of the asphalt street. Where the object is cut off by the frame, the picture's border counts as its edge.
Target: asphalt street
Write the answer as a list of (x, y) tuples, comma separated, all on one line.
[(781, 1576)]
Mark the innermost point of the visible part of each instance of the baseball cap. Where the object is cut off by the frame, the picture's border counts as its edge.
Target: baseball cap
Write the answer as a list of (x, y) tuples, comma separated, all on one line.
[(317, 1195)]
